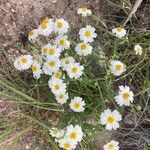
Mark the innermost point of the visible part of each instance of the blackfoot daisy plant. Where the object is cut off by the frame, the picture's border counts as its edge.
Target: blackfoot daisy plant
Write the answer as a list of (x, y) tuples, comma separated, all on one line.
[(74, 80)]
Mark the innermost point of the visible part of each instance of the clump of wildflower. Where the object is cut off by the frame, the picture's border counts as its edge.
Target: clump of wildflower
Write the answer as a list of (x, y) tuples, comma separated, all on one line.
[(52, 62)]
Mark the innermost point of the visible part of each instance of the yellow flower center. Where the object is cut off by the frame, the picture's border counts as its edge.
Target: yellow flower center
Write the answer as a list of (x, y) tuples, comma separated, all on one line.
[(119, 29), (74, 70), (66, 146), (52, 64), (31, 33), (51, 51), (111, 146), (34, 68), (110, 119), (44, 24), (84, 9), (24, 60), (59, 24), (56, 86), (87, 33), (61, 96), (139, 49), (45, 20), (126, 95), (83, 46), (57, 74), (118, 67), (45, 50), (73, 135), (77, 105), (62, 42)]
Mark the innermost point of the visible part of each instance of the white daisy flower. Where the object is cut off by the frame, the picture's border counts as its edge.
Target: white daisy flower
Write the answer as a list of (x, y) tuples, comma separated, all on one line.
[(87, 34), (117, 67), (77, 104), (51, 65), (66, 144), (53, 50), (84, 12), (45, 49), (83, 49), (74, 133), (119, 32), (46, 27), (74, 70), (125, 96), (54, 132), (138, 49), (61, 26), (110, 119), (57, 86), (62, 42), (36, 69), (23, 62), (33, 34), (62, 98), (65, 62), (112, 145), (57, 74)]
